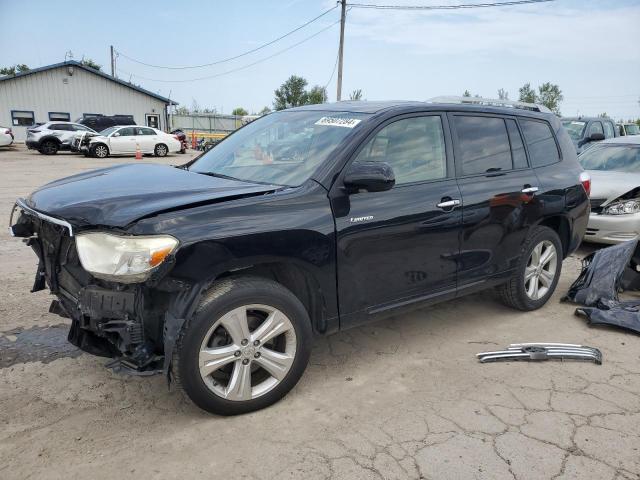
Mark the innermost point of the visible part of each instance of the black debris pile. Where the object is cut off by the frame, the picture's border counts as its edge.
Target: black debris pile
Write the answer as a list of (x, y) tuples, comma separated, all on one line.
[(604, 275)]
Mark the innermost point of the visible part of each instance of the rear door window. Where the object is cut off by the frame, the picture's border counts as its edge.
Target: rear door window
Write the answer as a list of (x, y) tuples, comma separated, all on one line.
[(483, 144), (541, 143)]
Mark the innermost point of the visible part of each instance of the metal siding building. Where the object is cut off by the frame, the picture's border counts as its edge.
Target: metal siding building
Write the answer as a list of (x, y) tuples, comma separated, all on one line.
[(74, 89)]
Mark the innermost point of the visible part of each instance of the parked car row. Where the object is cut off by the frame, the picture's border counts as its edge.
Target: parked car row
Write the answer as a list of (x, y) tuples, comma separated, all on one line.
[(51, 137)]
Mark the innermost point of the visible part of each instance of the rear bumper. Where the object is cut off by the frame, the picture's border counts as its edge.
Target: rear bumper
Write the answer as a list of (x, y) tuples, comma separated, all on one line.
[(612, 229)]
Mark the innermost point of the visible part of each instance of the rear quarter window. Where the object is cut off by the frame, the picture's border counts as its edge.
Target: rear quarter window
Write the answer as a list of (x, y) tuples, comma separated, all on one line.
[(541, 143)]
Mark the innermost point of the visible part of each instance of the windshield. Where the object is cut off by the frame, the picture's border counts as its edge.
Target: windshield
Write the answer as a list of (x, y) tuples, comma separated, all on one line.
[(575, 128), (283, 148), (632, 129), (107, 131), (622, 158)]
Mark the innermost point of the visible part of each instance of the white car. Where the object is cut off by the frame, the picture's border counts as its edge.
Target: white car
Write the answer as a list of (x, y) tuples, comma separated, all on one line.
[(128, 140), (614, 166), (6, 137)]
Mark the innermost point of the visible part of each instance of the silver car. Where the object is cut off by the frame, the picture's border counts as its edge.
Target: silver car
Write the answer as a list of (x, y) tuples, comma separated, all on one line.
[(614, 166), (51, 137)]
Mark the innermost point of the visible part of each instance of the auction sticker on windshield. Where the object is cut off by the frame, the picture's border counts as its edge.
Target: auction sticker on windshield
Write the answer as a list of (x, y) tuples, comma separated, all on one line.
[(338, 122)]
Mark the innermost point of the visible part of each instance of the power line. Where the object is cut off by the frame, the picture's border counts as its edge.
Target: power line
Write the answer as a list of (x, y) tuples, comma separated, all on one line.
[(446, 7), (248, 52), (235, 69)]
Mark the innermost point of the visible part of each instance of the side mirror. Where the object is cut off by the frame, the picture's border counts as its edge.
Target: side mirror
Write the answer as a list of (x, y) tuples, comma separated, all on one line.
[(370, 176), (596, 137), (117, 134)]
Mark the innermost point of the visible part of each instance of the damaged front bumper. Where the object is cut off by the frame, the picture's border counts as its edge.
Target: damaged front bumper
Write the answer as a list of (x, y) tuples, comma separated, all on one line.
[(134, 323)]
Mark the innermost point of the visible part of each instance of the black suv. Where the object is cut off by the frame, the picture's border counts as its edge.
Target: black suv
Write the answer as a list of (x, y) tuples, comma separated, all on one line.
[(306, 221), (102, 122)]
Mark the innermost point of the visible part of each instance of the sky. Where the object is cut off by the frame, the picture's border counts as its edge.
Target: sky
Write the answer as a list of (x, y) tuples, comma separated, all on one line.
[(590, 48)]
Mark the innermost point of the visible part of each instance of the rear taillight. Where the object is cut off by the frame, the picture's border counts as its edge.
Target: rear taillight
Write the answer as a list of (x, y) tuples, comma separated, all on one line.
[(585, 179)]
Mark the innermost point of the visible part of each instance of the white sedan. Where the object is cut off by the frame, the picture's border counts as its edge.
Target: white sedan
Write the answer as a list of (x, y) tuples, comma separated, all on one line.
[(614, 166), (128, 140), (6, 137)]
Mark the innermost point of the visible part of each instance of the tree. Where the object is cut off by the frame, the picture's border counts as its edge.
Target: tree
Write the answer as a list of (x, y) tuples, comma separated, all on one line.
[(195, 106), (239, 111), (603, 115), (87, 62), (503, 94), (550, 96), (264, 111), (466, 93), (316, 95), (291, 93), (356, 95), (182, 110), (527, 94), (13, 69)]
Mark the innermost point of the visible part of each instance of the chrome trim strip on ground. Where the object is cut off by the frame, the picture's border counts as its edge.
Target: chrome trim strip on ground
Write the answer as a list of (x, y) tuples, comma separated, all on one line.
[(542, 351)]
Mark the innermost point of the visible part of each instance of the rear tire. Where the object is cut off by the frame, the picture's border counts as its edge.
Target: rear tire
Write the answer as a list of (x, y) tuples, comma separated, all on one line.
[(537, 273), (49, 147), (220, 346)]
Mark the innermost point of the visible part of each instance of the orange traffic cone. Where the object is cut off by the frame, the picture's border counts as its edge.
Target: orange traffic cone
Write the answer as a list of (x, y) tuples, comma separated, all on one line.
[(138, 152)]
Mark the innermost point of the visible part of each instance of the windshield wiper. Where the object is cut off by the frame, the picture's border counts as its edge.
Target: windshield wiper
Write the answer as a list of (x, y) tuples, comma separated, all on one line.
[(220, 175), (229, 177)]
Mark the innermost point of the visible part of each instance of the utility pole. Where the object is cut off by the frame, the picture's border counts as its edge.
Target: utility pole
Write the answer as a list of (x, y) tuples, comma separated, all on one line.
[(343, 18), (113, 63)]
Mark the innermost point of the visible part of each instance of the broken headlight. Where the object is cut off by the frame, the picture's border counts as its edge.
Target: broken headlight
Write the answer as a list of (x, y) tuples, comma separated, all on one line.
[(119, 258), (622, 207)]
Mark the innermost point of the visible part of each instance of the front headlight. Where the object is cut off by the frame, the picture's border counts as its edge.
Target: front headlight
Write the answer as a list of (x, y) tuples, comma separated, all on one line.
[(126, 259), (622, 207)]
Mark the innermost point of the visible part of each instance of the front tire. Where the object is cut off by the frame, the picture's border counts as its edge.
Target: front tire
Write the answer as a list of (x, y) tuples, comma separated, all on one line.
[(99, 151), (245, 347), (161, 150), (538, 271)]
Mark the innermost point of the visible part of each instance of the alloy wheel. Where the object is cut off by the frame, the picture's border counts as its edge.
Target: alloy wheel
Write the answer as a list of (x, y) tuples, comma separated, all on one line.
[(101, 151), (541, 270), (161, 150), (247, 352)]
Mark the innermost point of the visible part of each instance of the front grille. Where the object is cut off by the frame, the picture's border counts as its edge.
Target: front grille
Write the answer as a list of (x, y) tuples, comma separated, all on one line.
[(596, 205)]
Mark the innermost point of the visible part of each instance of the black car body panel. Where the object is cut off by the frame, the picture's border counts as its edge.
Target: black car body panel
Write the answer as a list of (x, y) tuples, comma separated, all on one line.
[(104, 197), (348, 256)]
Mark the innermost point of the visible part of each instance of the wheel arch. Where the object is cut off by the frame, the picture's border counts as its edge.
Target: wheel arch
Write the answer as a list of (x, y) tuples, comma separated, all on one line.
[(50, 138), (559, 224), (297, 278)]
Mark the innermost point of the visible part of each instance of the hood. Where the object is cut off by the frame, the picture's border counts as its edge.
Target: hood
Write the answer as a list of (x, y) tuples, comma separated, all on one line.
[(610, 185), (120, 195)]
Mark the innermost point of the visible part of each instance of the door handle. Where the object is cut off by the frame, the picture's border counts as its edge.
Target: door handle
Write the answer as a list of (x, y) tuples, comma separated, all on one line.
[(530, 189), (448, 203)]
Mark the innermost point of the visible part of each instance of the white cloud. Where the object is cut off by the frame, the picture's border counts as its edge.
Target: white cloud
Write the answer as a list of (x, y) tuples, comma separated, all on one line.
[(542, 31)]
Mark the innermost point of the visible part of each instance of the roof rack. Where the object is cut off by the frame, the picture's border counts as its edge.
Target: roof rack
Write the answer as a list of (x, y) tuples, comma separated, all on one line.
[(492, 102)]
